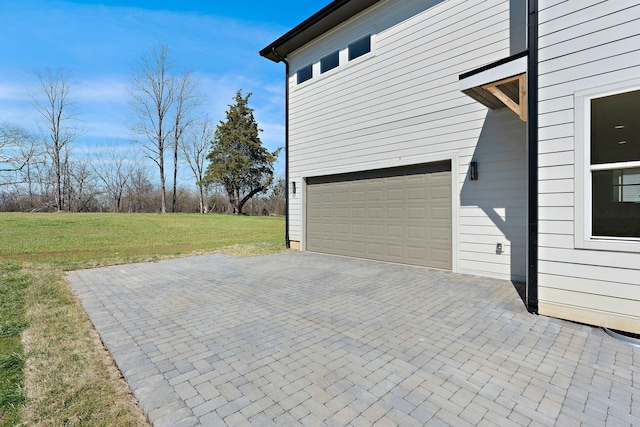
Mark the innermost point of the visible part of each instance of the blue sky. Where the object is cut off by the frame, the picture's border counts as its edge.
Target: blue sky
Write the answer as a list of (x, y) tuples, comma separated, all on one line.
[(99, 41)]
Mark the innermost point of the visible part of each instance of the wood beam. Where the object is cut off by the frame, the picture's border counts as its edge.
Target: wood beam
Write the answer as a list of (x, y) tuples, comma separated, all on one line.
[(520, 108)]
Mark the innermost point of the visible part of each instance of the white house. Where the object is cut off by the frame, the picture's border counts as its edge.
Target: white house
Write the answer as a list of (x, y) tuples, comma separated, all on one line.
[(498, 138)]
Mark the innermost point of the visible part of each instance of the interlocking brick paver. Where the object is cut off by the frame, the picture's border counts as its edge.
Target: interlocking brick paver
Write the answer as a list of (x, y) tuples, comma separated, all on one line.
[(185, 390), (308, 339), (343, 417), (287, 420), (211, 419)]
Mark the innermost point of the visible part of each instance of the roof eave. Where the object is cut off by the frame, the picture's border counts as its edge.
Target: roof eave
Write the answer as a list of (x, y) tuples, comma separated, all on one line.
[(322, 21)]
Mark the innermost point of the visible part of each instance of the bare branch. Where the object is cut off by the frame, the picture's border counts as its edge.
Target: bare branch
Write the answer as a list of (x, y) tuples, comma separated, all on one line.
[(195, 149), (152, 93), (56, 108)]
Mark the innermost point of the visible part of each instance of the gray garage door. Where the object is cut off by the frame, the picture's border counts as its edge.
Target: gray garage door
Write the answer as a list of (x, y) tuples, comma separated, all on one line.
[(400, 215)]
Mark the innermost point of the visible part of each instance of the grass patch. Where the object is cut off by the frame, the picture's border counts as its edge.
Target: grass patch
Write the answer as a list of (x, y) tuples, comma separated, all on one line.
[(54, 369), (88, 240), (13, 284), (70, 377)]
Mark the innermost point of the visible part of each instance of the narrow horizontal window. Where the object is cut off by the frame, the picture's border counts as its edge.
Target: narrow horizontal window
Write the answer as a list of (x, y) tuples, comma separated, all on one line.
[(330, 62), (305, 73), (360, 47)]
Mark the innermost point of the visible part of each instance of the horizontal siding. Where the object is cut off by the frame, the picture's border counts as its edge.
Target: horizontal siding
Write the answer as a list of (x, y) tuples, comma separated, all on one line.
[(589, 285), (556, 199), (606, 303), (490, 268), (555, 186), (583, 45), (389, 92), (402, 102), (555, 227)]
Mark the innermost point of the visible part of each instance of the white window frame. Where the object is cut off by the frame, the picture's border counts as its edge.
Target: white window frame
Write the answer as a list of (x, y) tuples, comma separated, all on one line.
[(297, 74), (583, 238), (343, 58), (370, 51)]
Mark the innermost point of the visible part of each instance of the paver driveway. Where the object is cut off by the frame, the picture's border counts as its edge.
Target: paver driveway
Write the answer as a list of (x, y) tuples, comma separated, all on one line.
[(299, 338)]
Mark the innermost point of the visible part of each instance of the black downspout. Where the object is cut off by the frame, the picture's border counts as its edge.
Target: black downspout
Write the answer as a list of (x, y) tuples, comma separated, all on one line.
[(286, 147), (532, 155)]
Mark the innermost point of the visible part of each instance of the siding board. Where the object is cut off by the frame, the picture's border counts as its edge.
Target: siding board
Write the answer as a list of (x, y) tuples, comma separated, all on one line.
[(619, 306), (402, 102), (583, 45)]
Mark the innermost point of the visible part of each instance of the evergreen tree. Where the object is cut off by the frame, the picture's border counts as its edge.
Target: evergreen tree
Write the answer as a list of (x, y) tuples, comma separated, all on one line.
[(237, 160)]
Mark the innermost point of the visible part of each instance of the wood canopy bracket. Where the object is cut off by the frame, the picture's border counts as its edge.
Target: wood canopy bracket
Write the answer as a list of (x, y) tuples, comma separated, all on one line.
[(517, 102)]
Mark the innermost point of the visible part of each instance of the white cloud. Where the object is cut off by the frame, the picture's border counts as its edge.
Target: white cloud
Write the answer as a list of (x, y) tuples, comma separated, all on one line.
[(99, 44), (13, 91), (104, 90)]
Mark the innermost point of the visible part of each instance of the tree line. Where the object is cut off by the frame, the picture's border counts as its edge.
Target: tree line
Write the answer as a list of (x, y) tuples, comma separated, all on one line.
[(231, 170)]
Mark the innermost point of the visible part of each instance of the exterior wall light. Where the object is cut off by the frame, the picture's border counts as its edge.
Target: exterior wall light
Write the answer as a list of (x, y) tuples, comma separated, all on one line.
[(473, 171)]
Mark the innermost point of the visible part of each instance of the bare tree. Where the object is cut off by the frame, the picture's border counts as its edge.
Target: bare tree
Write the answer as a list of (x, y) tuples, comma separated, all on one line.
[(195, 150), (55, 106), (186, 101), (275, 201), (37, 175), (81, 189), (17, 148), (114, 173), (152, 91), (139, 190)]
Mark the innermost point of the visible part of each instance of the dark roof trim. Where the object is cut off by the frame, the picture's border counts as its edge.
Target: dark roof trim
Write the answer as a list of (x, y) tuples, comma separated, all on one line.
[(325, 20), (494, 64)]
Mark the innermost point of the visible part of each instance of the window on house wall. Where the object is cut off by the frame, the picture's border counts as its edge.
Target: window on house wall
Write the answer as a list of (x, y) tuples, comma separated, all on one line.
[(330, 62), (305, 73), (359, 47), (615, 165)]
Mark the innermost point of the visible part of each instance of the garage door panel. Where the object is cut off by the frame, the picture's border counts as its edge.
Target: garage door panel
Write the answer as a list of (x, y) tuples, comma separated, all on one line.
[(394, 231), (395, 213), (416, 194), (417, 213), (440, 213), (442, 234), (395, 250), (358, 196), (376, 231), (342, 197), (374, 195), (394, 195), (398, 215), (441, 255), (342, 229), (440, 192), (342, 245), (328, 229), (358, 213), (358, 249), (417, 232), (358, 230), (375, 250), (342, 213), (375, 213)]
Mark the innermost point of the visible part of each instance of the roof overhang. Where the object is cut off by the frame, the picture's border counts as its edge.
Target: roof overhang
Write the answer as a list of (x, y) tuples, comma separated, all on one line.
[(500, 84), (325, 20)]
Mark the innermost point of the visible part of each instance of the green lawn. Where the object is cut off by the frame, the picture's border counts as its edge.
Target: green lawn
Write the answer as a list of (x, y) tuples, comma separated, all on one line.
[(80, 240), (53, 368), (12, 323)]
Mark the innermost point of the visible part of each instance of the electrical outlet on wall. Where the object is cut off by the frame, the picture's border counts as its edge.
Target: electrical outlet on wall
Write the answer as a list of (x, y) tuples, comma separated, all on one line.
[(498, 248)]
